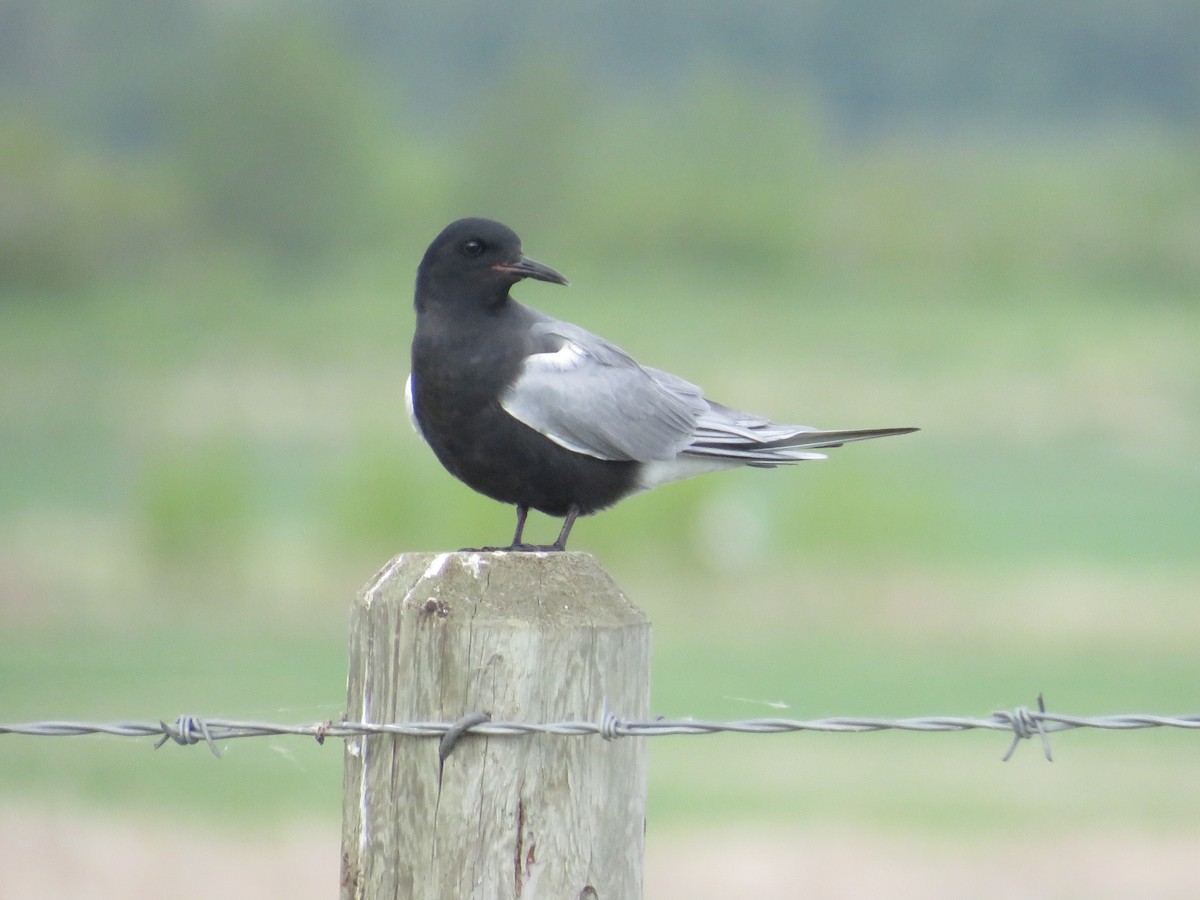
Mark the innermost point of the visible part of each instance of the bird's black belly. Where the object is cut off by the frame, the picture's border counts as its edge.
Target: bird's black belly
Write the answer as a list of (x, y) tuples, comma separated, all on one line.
[(508, 461)]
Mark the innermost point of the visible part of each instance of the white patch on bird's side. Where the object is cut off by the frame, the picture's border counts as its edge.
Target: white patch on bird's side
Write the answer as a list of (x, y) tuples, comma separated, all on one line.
[(568, 356), (408, 405), (664, 471), (686, 465)]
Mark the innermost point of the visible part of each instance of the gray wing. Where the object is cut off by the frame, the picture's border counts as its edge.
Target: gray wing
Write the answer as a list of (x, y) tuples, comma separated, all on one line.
[(592, 397)]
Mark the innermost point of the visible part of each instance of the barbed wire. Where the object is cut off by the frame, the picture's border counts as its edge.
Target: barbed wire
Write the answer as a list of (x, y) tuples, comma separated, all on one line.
[(1023, 723)]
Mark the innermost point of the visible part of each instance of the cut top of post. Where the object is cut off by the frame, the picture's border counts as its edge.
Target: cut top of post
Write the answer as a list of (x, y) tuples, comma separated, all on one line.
[(559, 588)]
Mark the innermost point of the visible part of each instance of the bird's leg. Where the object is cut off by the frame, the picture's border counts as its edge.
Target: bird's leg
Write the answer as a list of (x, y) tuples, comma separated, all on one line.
[(572, 514), (522, 512), (560, 544)]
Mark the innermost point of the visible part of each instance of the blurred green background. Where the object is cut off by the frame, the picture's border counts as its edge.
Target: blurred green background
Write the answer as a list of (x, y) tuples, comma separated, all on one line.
[(981, 219)]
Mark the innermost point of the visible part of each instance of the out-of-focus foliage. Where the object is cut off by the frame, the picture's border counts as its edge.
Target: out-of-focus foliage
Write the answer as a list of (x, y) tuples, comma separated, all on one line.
[(69, 215), (999, 137), (979, 218)]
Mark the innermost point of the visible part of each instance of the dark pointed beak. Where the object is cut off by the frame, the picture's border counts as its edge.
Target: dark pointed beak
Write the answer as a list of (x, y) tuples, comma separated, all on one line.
[(528, 268)]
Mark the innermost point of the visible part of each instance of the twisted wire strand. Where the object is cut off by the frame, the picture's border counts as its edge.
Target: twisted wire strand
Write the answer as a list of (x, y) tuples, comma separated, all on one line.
[(1022, 723)]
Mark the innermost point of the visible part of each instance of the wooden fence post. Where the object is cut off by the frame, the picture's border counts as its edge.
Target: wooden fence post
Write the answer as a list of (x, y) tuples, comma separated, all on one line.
[(525, 637)]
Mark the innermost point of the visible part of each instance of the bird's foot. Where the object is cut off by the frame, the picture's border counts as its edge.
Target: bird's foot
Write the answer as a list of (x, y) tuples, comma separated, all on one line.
[(516, 548)]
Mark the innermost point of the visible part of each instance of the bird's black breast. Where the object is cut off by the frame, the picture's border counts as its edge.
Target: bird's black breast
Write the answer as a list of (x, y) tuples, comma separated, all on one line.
[(460, 368)]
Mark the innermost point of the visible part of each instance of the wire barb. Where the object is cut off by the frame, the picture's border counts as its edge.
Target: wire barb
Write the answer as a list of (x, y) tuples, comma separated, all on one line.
[(455, 732), (1026, 724), (610, 725), (188, 730)]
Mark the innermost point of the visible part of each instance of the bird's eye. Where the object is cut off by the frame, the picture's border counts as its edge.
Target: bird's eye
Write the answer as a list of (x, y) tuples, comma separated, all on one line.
[(473, 247)]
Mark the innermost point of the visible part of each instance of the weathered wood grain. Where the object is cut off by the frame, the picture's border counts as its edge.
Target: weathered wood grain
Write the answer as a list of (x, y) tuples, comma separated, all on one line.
[(523, 637)]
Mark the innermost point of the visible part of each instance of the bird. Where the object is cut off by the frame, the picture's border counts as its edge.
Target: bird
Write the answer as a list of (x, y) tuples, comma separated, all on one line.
[(541, 414)]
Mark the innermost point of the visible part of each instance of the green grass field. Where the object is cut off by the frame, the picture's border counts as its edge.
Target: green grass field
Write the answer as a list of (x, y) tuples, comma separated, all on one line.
[(210, 219), (195, 485)]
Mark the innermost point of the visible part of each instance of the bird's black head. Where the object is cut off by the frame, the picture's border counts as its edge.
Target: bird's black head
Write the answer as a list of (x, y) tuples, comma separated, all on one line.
[(477, 261)]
